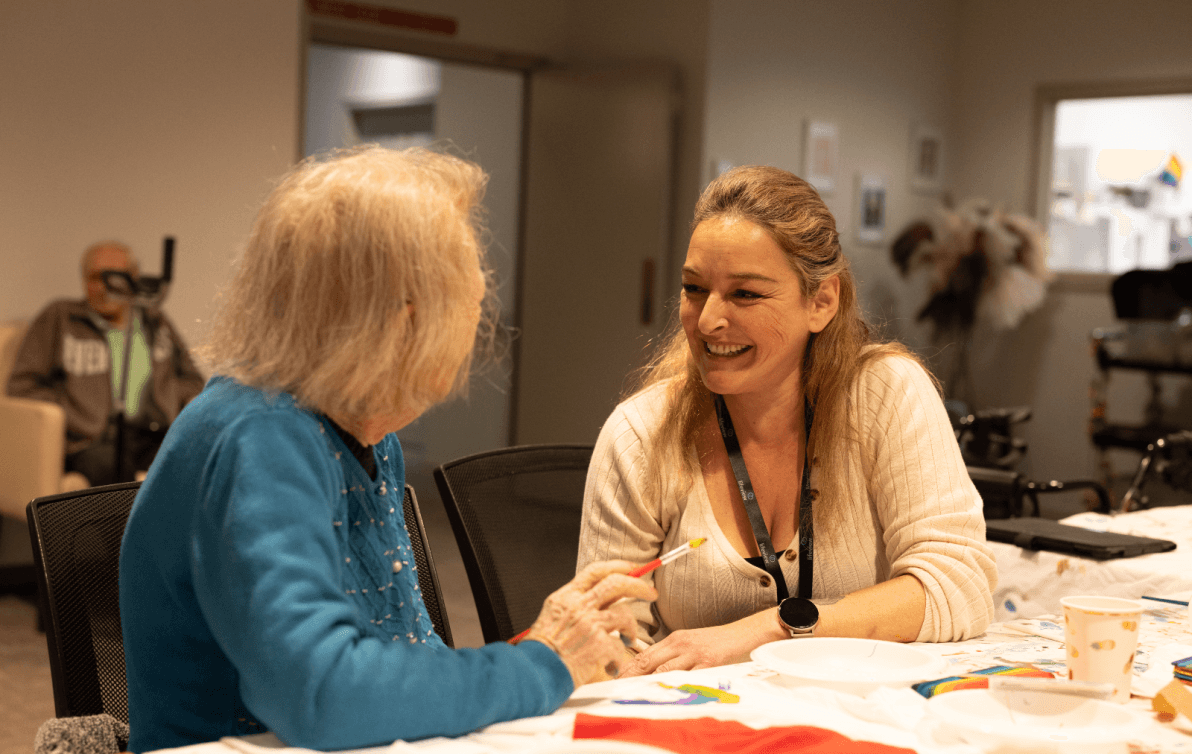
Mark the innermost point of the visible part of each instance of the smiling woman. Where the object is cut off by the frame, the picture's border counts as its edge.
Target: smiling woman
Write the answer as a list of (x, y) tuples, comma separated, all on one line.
[(807, 452)]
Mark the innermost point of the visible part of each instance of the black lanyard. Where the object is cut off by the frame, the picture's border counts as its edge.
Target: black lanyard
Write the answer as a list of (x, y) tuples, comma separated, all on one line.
[(745, 488)]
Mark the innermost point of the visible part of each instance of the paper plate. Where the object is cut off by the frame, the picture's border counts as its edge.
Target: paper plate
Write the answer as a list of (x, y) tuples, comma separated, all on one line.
[(854, 665), (1034, 720)]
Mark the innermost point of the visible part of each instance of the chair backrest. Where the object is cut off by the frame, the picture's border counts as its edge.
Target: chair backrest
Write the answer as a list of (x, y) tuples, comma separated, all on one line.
[(32, 437), (76, 552), (1001, 491), (11, 334), (516, 515), (428, 577)]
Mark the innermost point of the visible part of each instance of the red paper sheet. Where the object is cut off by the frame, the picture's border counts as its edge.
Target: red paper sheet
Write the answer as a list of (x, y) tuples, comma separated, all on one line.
[(708, 735)]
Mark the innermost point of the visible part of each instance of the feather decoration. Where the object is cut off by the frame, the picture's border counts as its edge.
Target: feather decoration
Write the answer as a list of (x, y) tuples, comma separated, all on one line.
[(984, 264)]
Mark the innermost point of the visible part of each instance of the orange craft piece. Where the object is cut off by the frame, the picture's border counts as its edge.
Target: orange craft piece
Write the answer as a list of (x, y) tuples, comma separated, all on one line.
[(1173, 698)]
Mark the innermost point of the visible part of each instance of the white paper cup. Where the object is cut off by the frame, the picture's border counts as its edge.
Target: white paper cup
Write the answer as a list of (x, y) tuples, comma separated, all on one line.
[(1101, 636)]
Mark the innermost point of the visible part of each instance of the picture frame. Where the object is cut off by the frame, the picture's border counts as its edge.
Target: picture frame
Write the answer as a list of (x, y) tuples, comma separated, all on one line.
[(821, 148), (871, 208), (926, 166)]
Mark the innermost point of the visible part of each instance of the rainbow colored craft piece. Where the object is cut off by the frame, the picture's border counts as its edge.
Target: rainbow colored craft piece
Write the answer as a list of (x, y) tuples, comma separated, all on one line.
[(971, 681), (694, 695), (1183, 670), (1173, 171)]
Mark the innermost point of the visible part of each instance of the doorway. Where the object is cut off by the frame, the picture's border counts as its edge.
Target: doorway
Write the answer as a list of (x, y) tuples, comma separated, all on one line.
[(356, 95)]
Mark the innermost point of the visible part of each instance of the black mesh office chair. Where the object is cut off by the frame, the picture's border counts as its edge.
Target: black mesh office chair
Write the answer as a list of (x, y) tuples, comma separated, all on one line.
[(516, 515), (428, 577), (76, 551)]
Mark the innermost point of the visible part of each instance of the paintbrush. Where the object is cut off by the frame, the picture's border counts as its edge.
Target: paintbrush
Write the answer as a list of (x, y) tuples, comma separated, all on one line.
[(670, 557), (642, 570), (1164, 599)]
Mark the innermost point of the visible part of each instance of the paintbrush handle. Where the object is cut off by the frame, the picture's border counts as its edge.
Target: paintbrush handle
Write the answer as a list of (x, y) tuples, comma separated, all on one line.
[(1164, 599), (640, 571), (520, 636), (637, 573)]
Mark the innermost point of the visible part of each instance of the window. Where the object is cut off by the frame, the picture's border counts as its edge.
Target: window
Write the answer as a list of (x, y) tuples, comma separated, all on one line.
[(1116, 196)]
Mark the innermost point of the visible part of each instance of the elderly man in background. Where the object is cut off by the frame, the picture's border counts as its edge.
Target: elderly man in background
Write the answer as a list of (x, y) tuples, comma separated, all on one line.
[(73, 355)]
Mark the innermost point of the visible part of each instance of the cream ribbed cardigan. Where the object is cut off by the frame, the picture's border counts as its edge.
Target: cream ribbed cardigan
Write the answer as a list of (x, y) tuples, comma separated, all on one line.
[(911, 509)]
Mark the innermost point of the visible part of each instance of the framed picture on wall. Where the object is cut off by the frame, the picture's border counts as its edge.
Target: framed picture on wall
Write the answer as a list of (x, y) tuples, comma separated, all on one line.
[(927, 158), (871, 208), (821, 147)]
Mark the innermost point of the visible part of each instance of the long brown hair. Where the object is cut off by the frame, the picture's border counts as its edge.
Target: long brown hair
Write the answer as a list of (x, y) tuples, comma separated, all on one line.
[(793, 214)]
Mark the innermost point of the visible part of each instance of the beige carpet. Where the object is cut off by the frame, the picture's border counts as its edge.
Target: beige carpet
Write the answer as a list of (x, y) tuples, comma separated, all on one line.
[(26, 696)]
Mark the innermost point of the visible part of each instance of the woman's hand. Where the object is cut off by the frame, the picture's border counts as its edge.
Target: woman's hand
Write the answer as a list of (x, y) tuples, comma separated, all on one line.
[(889, 611), (578, 620), (708, 647)]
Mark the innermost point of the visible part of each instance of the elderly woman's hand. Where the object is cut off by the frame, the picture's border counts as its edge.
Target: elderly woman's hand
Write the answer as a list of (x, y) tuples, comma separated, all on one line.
[(578, 620)]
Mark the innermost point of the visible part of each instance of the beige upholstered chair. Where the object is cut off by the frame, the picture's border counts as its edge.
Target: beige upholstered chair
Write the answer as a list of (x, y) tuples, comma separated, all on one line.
[(32, 440)]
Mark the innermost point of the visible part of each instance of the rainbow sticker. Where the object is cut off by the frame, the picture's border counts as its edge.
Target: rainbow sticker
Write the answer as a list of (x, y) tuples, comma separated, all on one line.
[(1173, 171)]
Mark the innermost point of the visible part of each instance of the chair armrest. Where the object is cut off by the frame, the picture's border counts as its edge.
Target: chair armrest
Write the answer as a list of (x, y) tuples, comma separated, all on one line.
[(32, 449)]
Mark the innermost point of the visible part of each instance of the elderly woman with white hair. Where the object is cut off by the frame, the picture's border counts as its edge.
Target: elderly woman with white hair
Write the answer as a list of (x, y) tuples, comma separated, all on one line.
[(266, 579)]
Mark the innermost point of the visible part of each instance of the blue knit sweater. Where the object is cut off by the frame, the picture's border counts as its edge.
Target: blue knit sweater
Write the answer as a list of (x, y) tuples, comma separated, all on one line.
[(267, 583)]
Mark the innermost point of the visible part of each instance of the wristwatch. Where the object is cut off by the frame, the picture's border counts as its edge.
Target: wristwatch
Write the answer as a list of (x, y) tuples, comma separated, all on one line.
[(799, 616)]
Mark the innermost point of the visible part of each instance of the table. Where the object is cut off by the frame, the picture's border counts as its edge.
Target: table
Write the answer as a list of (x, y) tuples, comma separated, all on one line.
[(1031, 582), (890, 716)]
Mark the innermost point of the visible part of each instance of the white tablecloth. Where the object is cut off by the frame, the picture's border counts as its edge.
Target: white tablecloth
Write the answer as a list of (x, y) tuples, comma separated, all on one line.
[(1031, 582), (896, 717)]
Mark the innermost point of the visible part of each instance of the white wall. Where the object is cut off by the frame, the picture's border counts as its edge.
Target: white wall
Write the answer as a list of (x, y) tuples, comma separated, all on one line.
[(1003, 56), (971, 69), (136, 120), (871, 68), (674, 31)]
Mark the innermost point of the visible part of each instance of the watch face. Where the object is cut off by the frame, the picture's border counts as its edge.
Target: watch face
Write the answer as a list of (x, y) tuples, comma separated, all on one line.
[(799, 613)]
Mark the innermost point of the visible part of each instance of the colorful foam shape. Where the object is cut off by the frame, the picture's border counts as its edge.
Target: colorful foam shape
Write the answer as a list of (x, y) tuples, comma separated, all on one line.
[(973, 680)]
